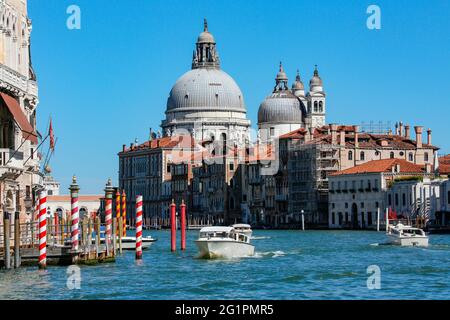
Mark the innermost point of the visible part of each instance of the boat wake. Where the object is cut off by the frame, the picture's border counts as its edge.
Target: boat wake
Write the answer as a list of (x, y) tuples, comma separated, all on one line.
[(268, 254), (261, 238)]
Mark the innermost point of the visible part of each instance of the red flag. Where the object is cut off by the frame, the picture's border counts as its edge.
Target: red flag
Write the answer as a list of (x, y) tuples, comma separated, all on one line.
[(52, 137)]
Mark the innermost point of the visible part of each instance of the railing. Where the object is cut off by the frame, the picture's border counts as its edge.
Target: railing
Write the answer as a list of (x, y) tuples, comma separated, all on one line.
[(17, 80)]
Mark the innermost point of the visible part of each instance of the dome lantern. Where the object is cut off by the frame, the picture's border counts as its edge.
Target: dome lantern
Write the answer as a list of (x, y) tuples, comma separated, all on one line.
[(316, 84), (281, 81), (205, 55), (297, 87)]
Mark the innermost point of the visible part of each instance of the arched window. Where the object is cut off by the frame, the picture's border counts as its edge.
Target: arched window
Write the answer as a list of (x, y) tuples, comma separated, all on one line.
[(350, 155), (392, 155), (316, 106), (411, 157), (362, 156), (426, 157), (320, 106)]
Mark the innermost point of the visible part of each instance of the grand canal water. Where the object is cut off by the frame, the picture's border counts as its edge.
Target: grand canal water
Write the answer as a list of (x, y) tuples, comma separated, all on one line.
[(288, 265)]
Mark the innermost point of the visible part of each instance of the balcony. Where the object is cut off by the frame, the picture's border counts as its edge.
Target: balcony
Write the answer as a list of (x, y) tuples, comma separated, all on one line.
[(11, 163), (18, 81)]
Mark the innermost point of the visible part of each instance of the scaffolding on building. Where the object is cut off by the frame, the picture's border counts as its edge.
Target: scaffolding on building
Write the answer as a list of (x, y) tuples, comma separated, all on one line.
[(309, 167)]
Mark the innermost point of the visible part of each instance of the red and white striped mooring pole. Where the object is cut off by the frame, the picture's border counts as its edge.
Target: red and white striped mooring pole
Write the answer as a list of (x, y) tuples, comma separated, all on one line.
[(43, 230), (173, 227), (183, 226), (138, 227), (109, 190), (75, 216)]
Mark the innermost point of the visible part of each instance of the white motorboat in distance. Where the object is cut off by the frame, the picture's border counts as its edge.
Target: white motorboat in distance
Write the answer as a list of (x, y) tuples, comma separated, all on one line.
[(223, 242), (243, 228), (407, 236), (129, 243)]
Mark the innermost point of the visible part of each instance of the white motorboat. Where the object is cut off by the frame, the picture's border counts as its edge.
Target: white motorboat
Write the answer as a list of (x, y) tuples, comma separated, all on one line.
[(243, 228), (129, 243), (407, 236), (223, 242)]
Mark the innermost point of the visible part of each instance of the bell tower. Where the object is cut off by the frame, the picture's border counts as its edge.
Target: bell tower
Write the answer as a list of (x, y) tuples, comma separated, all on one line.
[(316, 101)]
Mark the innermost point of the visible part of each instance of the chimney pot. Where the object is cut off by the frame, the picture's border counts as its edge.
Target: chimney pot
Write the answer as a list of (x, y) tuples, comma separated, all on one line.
[(419, 131), (407, 132), (429, 140), (342, 140), (333, 129), (400, 128), (356, 129)]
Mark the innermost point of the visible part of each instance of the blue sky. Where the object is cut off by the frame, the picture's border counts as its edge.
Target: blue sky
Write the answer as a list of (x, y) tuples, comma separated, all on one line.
[(108, 83)]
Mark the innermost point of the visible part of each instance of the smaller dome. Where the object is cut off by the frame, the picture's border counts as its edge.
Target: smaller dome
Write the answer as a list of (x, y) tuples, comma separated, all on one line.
[(279, 108), (281, 75), (315, 81), (298, 84), (205, 37)]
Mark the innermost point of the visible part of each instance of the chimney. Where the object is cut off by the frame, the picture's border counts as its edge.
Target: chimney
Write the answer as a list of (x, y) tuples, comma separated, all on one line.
[(429, 136), (333, 129), (407, 132), (400, 129), (419, 131), (390, 132), (356, 129), (342, 136), (124, 147), (396, 128)]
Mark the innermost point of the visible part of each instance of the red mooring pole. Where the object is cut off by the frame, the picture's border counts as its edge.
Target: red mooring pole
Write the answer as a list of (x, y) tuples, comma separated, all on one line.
[(183, 226), (173, 227)]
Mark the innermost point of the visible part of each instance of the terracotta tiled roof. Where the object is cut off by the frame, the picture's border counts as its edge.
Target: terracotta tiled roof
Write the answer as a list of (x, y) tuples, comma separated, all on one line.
[(386, 165), (299, 133), (181, 141), (81, 198), (444, 165)]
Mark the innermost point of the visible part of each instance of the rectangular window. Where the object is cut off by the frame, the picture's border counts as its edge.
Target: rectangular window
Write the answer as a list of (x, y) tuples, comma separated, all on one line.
[(369, 218)]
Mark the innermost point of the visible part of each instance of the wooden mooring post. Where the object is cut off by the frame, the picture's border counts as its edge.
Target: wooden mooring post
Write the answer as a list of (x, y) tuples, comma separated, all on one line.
[(17, 240), (6, 240), (114, 237), (120, 233)]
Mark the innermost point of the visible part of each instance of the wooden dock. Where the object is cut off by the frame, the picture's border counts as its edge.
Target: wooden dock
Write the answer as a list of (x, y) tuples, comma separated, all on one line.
[(20, 246)]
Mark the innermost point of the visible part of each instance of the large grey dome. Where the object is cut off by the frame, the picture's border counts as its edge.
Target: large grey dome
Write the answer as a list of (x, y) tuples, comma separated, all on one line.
[(205, 89), (206, 101), (280, 107)]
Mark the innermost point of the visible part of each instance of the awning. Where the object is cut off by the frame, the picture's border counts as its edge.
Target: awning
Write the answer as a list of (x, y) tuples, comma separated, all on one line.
[(20, 118)]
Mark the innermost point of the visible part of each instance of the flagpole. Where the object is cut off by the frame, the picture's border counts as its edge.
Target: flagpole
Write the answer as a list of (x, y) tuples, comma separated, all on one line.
[(50, 155)]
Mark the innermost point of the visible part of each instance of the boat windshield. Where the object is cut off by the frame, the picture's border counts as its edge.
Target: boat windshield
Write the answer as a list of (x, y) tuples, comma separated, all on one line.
[(413, 231), (233, 235)]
